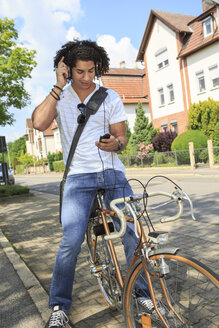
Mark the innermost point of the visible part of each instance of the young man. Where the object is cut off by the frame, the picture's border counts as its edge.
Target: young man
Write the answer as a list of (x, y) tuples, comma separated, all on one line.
[(95, 164)]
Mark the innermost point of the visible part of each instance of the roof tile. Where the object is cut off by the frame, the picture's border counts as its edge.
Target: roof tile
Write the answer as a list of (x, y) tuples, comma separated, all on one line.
[(130, 84)]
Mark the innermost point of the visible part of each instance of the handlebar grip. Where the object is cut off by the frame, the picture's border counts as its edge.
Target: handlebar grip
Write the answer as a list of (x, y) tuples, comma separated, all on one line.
[(177, 216), (121, 217)]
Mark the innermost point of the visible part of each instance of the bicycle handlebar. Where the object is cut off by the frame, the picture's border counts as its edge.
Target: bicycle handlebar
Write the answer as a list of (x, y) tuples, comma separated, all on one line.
[(133, 198)]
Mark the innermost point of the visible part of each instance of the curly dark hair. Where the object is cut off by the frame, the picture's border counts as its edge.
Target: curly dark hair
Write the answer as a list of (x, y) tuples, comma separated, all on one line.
[(83, 50)]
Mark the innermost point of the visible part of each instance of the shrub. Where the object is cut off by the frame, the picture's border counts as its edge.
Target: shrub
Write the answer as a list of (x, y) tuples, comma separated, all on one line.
[(202, 156), (181, 142), (216, 135), (216, 158), (54, 157), (144, 149), (162, 142), (19, 169), (59, 166), (204, 116)]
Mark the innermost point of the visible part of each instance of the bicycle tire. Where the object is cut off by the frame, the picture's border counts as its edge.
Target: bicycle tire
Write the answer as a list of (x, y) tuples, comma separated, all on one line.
[(192, 287), (106, 278)]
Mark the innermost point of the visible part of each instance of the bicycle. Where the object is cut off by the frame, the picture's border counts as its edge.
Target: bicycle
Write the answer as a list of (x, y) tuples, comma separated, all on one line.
[(185, 288)]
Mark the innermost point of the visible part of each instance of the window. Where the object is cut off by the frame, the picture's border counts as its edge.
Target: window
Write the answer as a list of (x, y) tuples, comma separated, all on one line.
[(214, 76), (207, 26), (174, 126), (201, 81), (171, 93), (162, 58), (164, 127), (161, 96)]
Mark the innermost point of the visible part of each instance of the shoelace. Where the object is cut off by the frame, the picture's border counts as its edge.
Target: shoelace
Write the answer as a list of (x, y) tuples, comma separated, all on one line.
[(58, 318)]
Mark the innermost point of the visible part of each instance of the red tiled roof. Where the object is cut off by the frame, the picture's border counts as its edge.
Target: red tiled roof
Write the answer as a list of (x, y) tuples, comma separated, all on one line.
[(197, 40), (54, 125), (190, 25), (176, 22), (49, 131), (129, 83)]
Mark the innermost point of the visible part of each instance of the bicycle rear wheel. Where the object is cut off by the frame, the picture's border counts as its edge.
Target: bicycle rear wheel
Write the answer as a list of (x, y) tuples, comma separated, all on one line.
[(191, 287), (102, 265)]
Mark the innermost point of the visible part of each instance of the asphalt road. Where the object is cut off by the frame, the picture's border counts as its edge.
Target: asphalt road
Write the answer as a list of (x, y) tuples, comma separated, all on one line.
[(201, 186)]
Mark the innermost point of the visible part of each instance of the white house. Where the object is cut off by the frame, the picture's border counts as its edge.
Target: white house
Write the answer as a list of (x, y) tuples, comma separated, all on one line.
[(181, 63), (40, 143)]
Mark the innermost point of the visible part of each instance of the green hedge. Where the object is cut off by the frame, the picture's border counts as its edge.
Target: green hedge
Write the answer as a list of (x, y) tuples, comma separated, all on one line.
[(19, 169), (59, 166), (181, 142)]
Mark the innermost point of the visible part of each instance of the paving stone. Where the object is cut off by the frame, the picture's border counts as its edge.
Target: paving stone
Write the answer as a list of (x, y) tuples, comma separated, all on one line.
[(32, 225)]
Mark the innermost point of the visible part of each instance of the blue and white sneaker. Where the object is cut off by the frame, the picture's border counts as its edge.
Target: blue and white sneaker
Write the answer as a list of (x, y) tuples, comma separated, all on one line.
[(58, 318)]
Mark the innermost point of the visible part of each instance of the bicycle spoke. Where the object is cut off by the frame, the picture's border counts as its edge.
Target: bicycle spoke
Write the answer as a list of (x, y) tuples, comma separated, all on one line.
[(189, 289)]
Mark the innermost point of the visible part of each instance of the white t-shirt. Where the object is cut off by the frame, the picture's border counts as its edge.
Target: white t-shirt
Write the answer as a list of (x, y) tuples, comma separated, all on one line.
[(87, 157)]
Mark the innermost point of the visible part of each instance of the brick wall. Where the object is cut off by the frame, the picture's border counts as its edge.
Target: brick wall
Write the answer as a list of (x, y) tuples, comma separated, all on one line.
[(181, 118)]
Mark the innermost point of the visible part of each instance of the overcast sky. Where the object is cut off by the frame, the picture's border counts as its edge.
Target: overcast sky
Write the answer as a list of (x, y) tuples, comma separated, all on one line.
[(44, 25)]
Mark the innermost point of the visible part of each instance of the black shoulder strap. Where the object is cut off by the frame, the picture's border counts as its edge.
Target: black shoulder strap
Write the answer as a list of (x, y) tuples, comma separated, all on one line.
[(91, 108)]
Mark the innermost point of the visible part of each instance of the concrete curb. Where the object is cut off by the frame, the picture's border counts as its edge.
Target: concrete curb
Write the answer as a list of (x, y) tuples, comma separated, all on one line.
[(31, 284)]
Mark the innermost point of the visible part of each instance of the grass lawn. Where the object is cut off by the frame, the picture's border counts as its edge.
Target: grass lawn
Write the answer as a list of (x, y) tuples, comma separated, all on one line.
[(11, 190)]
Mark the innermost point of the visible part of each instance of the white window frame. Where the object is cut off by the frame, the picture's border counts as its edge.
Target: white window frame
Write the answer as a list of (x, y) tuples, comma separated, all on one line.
[(164, 127), (208, 22), (174, 126), (161, 96), (162, 58), (214, 75), (171, 93), (200, 76)]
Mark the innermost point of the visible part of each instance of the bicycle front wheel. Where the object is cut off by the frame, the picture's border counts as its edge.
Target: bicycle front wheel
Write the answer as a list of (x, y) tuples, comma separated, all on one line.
[(188, 294)]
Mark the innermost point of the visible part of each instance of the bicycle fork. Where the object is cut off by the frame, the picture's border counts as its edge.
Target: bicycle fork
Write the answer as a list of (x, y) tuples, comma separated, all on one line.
[(150, 286)]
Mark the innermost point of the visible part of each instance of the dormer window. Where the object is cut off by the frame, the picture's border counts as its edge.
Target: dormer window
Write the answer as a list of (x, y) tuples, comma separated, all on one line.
[(207, 26)]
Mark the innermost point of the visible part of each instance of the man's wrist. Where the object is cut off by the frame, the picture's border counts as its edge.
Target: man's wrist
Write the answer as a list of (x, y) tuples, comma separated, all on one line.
[(120, 146)]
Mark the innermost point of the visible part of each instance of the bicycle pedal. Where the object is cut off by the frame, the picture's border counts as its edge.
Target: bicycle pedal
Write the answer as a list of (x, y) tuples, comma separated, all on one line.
[(146, 321), (98, 268)]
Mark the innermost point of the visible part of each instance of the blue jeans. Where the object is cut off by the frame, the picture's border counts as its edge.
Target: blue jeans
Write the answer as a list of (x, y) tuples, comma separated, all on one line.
[(78, 197)]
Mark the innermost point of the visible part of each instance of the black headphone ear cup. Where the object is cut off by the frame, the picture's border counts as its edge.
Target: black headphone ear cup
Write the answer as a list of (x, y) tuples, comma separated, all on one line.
[(98, 69)]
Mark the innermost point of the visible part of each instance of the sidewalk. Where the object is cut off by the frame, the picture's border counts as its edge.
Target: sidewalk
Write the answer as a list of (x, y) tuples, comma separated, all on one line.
[(17, 308), (32, 226)]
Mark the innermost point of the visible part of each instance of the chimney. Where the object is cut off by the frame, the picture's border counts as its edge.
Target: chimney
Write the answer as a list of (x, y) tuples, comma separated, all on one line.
[(135, 65), (122, 64), (207, 4)]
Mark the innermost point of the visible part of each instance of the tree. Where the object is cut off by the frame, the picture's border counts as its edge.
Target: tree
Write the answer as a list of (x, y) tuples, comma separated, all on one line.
[(143, 130), (216, 135), (16, 148), (25, 159), (16, 64), (204, 116), (128, 131)]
